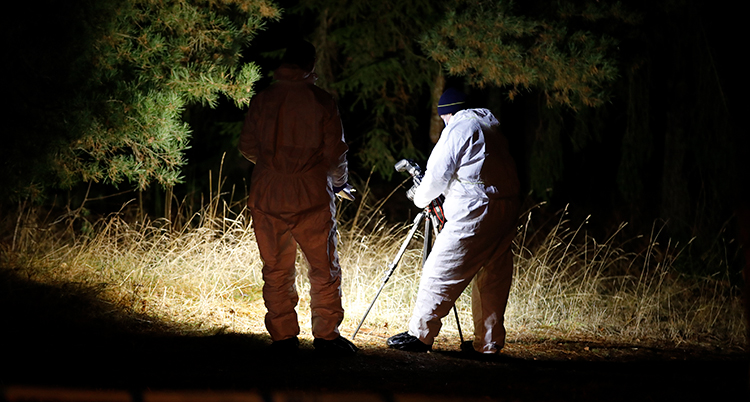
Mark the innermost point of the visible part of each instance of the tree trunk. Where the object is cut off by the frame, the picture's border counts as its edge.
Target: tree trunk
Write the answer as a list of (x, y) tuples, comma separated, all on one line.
[(168, 203), (436, 123), (325, 53)]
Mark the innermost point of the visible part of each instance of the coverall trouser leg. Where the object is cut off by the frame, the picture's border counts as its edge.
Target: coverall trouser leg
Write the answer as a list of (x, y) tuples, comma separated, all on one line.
[(461, 249), (317, 238), (277, 238), (489, 296)]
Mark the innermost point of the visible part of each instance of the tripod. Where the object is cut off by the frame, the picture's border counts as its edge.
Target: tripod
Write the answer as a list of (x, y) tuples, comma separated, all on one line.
[(433, 222)]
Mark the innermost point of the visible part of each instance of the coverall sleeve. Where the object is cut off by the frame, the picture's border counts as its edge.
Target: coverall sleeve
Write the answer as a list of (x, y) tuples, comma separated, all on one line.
[(441, 166), (248, 145), (335, 149)]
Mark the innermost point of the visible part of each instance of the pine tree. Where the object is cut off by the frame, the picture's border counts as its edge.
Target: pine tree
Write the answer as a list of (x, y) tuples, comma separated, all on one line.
[(368, 55), (390, 55), (553, 49), (102, 84), (565, 51)]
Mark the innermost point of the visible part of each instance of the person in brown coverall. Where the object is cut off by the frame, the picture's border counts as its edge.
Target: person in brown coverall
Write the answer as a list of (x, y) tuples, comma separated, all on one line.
[(293, 134)]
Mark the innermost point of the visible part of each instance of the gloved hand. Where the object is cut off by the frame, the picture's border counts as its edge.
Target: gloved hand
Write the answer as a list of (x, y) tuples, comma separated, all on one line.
[(410, 192), (344, 192), (417, 181)]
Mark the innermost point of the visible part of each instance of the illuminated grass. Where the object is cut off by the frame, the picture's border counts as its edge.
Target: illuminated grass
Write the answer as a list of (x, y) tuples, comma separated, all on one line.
[(574, 286), (205, 277)]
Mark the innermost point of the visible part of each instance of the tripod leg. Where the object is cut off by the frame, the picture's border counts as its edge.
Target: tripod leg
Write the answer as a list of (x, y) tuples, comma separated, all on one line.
[(458, 324), (392, 267), (427, 242)]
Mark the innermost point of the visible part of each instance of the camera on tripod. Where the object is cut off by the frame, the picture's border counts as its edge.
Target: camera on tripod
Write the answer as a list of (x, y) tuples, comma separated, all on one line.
[(432, 214), (415, 171), (435, 208), (409, 166)]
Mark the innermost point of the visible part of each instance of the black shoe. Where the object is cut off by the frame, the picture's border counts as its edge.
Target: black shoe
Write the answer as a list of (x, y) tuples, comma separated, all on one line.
[(399, 337), (408, 343), (285, 346), (336, 347)]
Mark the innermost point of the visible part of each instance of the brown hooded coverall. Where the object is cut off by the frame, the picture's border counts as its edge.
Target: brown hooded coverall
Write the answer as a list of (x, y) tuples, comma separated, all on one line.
[(293, 134)]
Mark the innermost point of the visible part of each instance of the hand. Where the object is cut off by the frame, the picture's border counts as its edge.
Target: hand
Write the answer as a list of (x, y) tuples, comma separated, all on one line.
[(417, 179), (410, 192), (344, 192)]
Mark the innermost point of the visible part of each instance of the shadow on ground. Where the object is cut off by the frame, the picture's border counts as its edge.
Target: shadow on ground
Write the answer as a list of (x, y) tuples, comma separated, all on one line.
[(55, 337)]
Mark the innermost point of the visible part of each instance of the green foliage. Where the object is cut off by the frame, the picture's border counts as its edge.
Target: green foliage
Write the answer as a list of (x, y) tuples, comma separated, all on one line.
[(384, 57), (145, 143), (490, 43), (368, 56), (123, 73), (567, 51)]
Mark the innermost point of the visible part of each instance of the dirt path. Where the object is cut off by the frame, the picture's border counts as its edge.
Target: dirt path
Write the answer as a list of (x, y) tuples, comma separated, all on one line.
[(529, 372), (51, 339)]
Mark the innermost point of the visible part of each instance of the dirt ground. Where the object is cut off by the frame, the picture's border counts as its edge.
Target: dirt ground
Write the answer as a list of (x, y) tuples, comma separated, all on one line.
[(54, 339)]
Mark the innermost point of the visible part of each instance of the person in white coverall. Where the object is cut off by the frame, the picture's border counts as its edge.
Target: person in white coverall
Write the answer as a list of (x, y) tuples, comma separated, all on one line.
[(293, 134), (472, 167)]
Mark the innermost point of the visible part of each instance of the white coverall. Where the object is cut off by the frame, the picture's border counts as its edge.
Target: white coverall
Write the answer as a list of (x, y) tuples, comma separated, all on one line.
[(293, 134), (472, 167)]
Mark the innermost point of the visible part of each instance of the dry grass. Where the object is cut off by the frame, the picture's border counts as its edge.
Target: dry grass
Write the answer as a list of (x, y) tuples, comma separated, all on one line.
[(575, 286), (205, 277)]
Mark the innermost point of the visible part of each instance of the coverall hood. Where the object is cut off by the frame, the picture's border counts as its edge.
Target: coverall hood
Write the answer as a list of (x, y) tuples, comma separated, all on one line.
[(485, 117), (290, 72)]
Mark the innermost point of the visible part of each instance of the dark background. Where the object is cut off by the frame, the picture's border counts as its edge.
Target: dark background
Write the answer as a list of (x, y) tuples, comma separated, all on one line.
[(676, 40)]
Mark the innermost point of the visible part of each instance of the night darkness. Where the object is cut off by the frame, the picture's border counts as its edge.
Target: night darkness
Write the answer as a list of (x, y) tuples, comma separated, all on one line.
[(588, 179), (681, 82)]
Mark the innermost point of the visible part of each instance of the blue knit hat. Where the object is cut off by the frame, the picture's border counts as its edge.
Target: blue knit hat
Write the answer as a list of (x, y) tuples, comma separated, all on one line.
[(451, 101)]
